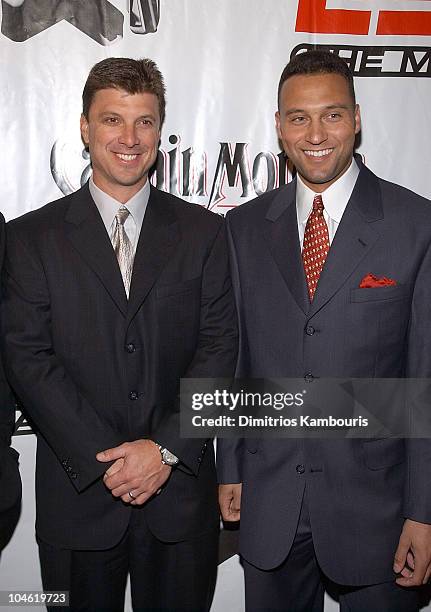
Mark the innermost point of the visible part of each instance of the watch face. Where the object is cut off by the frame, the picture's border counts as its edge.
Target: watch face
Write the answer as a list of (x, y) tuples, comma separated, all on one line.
[(169, 458)]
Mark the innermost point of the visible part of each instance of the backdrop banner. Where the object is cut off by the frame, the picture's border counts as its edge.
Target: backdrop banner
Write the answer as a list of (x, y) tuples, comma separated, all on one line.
[(221, 62)]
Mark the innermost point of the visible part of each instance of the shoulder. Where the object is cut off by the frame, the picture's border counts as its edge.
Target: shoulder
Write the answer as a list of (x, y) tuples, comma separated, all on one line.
[(407, 209), (405, 215), (36, 221), (401, 196), (192, 216), (396, 199), (255, 210)]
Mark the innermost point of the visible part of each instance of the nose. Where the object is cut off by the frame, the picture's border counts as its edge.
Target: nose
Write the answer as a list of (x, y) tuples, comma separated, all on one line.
[(129, 135), (316, 133)]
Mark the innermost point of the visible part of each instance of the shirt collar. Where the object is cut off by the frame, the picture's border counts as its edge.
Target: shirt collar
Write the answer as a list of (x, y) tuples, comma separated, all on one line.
[(335, 197), (108, 206)]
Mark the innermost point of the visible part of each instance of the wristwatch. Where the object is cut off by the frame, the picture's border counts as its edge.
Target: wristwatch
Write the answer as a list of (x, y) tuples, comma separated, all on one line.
[(168, 458)]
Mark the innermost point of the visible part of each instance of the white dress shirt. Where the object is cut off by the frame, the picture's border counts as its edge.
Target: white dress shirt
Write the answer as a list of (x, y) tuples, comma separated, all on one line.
[(335, 199), (108, 208)]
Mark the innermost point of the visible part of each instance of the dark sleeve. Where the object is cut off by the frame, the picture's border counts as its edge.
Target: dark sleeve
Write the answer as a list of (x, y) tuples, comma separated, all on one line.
[(417, 501), (65, 418), (229, 450), (7, 404), (216, 350)]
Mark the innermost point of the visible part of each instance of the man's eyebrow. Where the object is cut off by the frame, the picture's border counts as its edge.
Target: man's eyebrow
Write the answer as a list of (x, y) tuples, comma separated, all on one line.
[(292, 111), (335, 106), (108, 112)]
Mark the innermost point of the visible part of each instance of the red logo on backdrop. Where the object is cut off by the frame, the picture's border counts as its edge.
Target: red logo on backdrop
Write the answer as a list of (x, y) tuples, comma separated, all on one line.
[(399, 60), (313, 16)]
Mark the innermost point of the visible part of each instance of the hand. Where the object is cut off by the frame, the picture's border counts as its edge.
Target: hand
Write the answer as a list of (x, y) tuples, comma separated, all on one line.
[(138, 468), (413, 555), (229, 499)]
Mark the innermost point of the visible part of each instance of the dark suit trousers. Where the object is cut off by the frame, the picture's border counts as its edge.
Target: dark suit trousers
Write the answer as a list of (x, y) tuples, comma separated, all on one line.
[(298, 584), (165, 577)]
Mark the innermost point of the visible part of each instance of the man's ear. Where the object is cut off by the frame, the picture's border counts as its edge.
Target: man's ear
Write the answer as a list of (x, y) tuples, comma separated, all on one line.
[(357, 119), (277, 124), (84, 130)]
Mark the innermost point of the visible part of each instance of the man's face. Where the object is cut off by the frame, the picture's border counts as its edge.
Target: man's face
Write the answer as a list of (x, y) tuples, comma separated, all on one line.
[(122, 133), (317, 123)]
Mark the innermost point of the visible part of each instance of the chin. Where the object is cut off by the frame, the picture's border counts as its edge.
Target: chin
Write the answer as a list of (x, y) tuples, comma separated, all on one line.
[(316, 180), (124, 182)]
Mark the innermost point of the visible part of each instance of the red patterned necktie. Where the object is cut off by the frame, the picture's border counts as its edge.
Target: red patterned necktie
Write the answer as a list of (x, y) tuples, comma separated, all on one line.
[(316, 245)]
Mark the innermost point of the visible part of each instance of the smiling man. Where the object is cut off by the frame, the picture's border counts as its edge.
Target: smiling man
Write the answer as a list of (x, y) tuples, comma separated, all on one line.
[(332, 277), (112, 294)]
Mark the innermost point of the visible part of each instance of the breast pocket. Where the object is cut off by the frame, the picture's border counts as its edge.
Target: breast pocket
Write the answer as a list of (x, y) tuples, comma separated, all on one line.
[(380, 294), (379, 318), (178, 289), (177, 307)]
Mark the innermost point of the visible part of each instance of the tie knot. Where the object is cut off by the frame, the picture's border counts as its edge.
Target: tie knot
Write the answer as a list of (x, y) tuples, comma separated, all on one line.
[(122, 215), (318, 204)]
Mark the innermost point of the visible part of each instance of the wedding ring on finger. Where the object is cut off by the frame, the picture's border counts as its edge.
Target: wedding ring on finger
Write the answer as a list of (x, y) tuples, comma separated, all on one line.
[(158, 491), (131, 495)]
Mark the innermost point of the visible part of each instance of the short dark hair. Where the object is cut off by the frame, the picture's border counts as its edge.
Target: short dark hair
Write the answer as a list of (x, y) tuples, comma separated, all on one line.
[(317, 61), (131, 75)]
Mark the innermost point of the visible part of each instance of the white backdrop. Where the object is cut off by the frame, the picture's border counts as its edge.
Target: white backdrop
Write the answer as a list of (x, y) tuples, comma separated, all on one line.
[(221, 61)]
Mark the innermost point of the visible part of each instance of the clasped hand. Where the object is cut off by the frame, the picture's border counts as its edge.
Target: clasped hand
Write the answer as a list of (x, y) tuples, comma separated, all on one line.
[(413, 556), (137, 469)]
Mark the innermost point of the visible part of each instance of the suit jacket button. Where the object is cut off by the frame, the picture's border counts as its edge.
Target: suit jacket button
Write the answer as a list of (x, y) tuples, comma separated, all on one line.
[(133, 395), (130, 348), (309, 377), (300, 468), (199, 459), (309, 330)]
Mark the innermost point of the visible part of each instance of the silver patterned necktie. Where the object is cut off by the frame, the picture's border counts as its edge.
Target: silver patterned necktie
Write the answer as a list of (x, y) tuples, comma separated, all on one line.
[(123, 247)]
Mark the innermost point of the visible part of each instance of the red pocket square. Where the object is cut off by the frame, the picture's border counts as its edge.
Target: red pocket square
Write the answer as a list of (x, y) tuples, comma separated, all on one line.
[(374, 281)]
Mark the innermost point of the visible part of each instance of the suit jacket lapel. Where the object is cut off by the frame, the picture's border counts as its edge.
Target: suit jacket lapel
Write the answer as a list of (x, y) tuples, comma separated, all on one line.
[(158, 237), (90, 238), (281, 233), (354, 238)]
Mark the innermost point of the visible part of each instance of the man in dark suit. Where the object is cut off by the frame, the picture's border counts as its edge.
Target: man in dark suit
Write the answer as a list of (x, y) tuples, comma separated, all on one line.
[(102, 317), (10, 481), (333, 279)]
